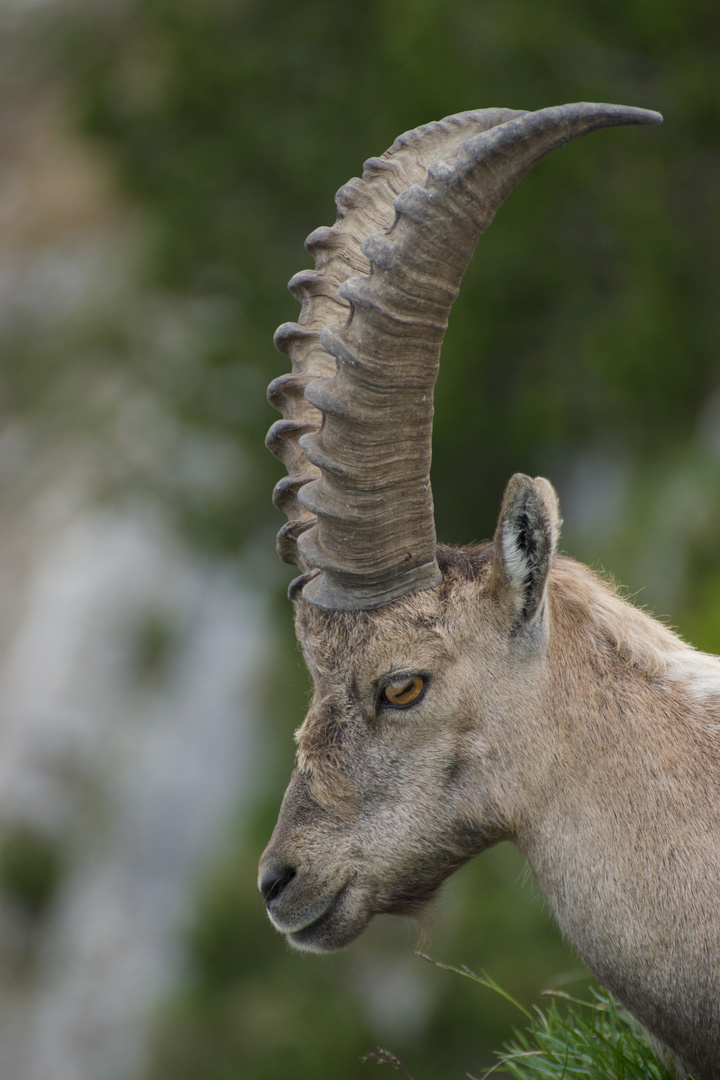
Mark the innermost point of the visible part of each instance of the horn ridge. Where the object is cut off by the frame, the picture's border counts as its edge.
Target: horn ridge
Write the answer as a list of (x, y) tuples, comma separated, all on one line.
[(364, 206), (375, 535)]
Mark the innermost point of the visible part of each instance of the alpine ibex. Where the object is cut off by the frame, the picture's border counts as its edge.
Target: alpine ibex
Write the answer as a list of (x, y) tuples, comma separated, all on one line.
[(497, 692)]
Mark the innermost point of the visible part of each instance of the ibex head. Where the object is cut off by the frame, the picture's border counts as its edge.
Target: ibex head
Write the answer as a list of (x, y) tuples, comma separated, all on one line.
[(400, 776), (430, 664)]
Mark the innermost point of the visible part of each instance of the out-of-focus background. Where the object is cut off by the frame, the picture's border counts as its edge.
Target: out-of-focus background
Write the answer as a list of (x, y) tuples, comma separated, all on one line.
[(161, 162)]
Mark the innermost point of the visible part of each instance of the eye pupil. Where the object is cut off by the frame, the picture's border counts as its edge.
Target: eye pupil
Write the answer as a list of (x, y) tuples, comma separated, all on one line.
[(405, 691)]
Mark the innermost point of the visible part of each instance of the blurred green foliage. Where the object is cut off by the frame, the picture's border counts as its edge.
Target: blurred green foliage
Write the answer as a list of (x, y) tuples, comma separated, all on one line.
[(584, 344), (30, 869), (588, 318)]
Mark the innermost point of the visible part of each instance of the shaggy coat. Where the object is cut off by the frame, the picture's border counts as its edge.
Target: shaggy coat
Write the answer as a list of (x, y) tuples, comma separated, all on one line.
[(553, 714)]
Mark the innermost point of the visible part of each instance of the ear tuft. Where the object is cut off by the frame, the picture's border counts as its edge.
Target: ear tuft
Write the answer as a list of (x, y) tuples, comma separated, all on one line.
[(525, 542)]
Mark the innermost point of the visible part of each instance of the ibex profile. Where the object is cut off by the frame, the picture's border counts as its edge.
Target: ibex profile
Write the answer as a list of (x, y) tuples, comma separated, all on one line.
[(468, 696)]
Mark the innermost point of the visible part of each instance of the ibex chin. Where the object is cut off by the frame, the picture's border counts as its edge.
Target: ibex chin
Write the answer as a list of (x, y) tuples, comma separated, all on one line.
[(497, 692)]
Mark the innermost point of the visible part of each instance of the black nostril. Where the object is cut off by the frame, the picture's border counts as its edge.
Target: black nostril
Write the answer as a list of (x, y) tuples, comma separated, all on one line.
[(274, 881)]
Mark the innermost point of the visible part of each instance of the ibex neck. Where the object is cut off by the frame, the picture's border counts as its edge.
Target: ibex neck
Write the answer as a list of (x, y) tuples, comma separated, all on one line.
[(626, 830), (631, 712)]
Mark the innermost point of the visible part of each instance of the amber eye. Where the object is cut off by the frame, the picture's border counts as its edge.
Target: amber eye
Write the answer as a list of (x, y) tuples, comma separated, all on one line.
[(404, 691)]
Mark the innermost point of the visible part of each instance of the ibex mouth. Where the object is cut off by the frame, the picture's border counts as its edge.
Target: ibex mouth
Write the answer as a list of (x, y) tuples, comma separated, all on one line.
[(348, 912), (311, 916), (332, 929)]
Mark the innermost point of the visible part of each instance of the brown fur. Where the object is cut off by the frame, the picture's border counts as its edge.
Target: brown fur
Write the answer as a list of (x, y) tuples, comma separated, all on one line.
[(557, 716)]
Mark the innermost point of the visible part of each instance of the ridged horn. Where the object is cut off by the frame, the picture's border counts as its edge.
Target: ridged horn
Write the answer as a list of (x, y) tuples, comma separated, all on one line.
[(366, 515), (364, 206)]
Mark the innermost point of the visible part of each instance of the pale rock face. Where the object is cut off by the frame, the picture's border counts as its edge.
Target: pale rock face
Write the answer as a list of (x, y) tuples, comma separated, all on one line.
[(129, 777), (121, 763)]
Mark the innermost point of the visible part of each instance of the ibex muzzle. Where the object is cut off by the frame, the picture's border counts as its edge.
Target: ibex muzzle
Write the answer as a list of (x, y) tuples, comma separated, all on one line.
[(468, 696)]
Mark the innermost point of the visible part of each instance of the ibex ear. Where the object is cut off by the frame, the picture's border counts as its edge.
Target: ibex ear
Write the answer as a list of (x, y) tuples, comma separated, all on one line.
[(525, 541)]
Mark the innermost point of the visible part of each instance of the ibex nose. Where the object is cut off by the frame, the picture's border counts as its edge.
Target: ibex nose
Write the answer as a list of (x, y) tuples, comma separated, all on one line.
[(274, 881)]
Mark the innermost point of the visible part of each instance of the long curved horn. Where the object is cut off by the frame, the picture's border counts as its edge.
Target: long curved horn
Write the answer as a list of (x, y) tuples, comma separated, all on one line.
[(364, 207), (374, 535)]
